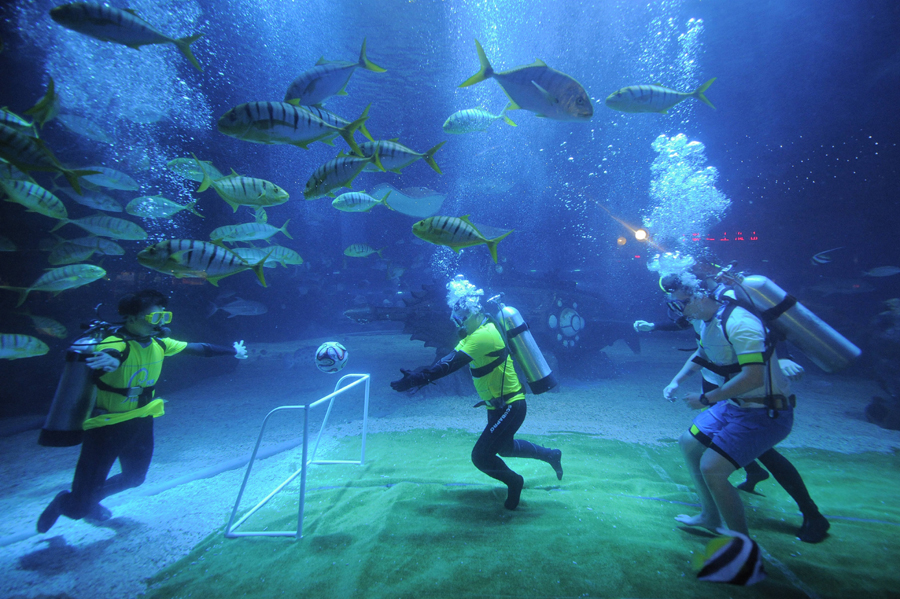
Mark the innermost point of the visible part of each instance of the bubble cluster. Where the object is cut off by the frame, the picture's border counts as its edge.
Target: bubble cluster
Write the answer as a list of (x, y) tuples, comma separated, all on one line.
[(683, 191)]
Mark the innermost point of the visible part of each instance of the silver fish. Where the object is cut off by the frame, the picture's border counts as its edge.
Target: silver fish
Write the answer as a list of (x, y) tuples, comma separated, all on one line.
[(14, 347), (107, 226), (473, 120), (336, 173), (328, 78), (654, 98), (248, 232), (882, 271), (394, 156), (197, 259), (60, 279), (34, 197), (239, 307)]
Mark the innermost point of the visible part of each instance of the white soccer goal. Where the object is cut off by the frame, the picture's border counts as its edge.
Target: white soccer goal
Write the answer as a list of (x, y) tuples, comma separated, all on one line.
[(307, 459)]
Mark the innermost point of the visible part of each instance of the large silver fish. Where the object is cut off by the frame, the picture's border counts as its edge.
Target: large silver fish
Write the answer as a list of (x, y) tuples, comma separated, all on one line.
[(60, 279), (337, 173), (654, 98), (539, 89), (455, 233), (34, 197), (125, 27), (14, 347), (395, 156), (107, 226), (328, 78), (197, 259)]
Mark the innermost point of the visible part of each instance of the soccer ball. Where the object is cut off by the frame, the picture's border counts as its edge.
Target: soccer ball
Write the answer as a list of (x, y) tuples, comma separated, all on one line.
[(331, 357)]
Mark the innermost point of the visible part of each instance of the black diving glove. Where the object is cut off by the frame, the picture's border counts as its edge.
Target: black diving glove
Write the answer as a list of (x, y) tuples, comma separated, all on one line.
[(410, 379)]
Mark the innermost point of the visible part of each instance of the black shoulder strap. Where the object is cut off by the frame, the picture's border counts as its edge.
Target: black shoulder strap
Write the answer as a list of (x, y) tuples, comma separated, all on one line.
[(766, 317)]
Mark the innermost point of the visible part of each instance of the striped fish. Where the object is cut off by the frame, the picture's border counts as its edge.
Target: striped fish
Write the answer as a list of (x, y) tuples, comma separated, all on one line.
[(248, 232), (252, 255), (48, 326), (653, 98), (124, 27), (339, 172), (537, 88), (455, 233), (328, 78), (14, 121), (395, 156), (107, 226), (34, 197), (361, 250), (245, 191), (194, 169), (197, 259), (92, 199), (283, 255), (30, 154), (104, 246), (358, 201), (111, 178), (69, 253), (60, 279), (732, 559), (14, 347), (158, 207), (473, 120), (47, 107), (283, 123)]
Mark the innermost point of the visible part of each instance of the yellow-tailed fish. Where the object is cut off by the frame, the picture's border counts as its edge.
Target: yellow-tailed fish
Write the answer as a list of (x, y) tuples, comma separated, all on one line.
[(245, 191), (537, 88), (328, 78), (34, 197), (197, 259), (358, 201), (455, 233), (473, 120), (158, 207), (60, 279), (194, 169), (248, 232), (28, 153), (361, 250), (339, 172), (107, 226), (111, 178), (283, 123), (124, 27), (395, 156), (47, 107), (14, 347), (653, 98), (49, 327)]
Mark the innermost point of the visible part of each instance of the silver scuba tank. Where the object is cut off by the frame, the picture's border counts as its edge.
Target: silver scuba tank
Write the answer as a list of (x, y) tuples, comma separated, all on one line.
[(827, 348), (526, 351), (74, 398)]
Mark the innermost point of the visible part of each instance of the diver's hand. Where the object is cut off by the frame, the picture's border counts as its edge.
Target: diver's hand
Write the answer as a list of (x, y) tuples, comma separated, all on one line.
[(670, 390), (642, 326), (240, 352), (102, 361), (790, 369), (410, 379)]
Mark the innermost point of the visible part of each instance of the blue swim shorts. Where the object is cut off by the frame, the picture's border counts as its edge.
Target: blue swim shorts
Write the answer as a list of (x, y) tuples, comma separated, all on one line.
[(741, 434)]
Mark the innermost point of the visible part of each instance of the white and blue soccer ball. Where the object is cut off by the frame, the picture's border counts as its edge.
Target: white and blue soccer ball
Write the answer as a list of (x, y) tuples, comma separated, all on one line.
[(331, 357)]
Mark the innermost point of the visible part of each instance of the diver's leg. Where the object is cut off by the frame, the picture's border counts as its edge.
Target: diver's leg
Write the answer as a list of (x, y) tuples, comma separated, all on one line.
[(716, 469), (755, 475), (499, 435), (709, 517), (527, 449), (815, 525), (134, 458)]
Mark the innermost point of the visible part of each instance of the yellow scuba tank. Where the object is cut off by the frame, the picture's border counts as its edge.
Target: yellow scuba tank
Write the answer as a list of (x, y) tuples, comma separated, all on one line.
[(75, 394), (827, 348), (525, 350)]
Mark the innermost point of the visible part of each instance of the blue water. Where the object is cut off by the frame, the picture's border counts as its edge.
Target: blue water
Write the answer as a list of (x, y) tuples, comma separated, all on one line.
[(799, 156)]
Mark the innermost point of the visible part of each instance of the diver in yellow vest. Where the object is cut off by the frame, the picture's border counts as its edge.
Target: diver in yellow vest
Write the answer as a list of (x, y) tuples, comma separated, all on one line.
[(484, 350), (127, 365)]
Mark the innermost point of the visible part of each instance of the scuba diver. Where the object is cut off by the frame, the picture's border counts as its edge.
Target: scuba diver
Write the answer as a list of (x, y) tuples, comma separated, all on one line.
[(815, 526), (483, 348), (126, 366)]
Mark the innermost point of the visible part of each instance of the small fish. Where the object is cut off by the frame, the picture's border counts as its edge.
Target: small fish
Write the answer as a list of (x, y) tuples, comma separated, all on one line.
[(361, 250), (47, 107), (733, 559), (92, 199), (239, 307), (34, 197), (49, 327), (823, 257), (111, 178), (158, 207), (283, 123), (107, 226), (358, 201), (60, 279), (395, 156), (654, 98), (99, 244), (240, 191), (339, 172), (194, 169), (85, 128), (882, 271), (28, 153), (328, 78), (248, 232), (537, 88), (124, 27), (196, 259), (14, 347), (455, 233), (473, 120)]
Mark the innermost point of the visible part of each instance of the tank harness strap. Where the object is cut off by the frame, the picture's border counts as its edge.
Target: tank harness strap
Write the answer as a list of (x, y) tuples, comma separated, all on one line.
[(488, 368), (512, 333), (727, 371), (731, 304), (144, 395), (778, 309), (499, 402)]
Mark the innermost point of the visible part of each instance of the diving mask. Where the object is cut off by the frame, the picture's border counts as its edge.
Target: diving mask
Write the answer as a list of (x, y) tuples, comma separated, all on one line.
[(160, 318)]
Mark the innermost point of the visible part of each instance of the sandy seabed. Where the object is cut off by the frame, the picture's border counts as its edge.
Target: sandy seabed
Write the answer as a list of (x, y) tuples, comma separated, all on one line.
[(216, 423)]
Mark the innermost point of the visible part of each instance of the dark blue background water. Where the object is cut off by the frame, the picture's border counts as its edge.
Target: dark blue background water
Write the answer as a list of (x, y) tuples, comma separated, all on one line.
[(804, 139)]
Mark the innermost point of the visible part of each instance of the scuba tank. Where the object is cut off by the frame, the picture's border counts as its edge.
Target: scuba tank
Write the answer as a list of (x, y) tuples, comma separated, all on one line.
[(525, 349), (827, 348), (75, 393)]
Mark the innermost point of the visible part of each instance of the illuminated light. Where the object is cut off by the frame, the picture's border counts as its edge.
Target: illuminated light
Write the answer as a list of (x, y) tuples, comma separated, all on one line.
[(641, 235), (621, 241)]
